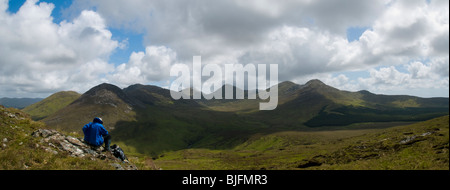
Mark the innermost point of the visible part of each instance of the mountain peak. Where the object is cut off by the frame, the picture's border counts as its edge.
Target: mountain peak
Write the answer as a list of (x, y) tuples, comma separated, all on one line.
[(104, 86), (315, 82), (365, 92), (106, 94), (321, 87), (286, 83)]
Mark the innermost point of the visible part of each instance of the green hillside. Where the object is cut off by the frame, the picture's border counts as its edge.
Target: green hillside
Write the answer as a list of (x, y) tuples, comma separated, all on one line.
[(420, 146), (156, 130), (19, 150), (148, 121), (315, 126), (316, 104), (105, 101), (51, 104)]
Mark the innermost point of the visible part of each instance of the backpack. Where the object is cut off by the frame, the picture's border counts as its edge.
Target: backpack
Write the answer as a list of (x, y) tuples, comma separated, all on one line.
[(118, 152)]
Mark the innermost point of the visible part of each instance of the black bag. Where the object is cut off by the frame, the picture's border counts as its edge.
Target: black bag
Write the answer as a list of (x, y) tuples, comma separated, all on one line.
[(118, 152)]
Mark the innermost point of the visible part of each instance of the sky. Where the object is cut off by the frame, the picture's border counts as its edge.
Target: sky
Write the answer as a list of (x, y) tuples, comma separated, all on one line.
[(383, 46)]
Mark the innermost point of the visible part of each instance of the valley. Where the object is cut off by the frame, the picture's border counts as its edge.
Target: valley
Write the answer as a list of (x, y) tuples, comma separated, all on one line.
[(315, 126), (363, 149)]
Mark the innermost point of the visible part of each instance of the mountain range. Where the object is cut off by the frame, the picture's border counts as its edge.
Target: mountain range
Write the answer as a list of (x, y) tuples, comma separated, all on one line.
[(18, 102), (147, 118)]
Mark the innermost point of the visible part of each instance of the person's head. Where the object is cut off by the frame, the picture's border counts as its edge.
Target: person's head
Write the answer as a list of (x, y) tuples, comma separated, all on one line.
[(98, 120)]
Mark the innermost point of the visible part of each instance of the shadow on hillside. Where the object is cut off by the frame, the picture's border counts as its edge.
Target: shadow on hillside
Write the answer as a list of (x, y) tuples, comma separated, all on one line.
[(158, 129), (187, 124)]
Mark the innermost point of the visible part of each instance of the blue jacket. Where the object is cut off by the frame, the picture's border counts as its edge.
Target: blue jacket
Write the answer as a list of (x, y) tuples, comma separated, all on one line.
[(94, 132)]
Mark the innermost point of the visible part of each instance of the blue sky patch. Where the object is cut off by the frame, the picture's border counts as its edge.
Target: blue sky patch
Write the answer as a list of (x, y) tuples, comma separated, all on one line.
[(133, 42), (353, 33)]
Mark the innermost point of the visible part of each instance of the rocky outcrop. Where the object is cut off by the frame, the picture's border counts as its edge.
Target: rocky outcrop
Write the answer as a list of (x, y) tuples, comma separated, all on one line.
[(415, 138), (374, 149), (57, 143)]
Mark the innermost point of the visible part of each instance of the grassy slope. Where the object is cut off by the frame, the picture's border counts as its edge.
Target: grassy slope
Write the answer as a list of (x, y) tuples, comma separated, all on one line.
[(356, 107), (165, 125), (385, 150), (159, 129), (105, 104), (316, 104), (51, 104), (342, 149), (21, 151)]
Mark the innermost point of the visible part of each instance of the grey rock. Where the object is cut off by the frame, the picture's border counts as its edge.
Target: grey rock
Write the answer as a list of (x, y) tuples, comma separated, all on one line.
[(43, 133), (415, 138), (55, 138), (75, 141), (48, 149), (427, 133), (75, 147), (117, 166), (72, 149)]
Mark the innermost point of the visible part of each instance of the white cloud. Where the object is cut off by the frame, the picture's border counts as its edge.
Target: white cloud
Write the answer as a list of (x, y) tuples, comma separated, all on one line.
[(440, 66), (419, 78), (419, 70), (153, 65), (306, 38), (411, 29), (386, 76), (223, 27), (88, 36), (39, 56)]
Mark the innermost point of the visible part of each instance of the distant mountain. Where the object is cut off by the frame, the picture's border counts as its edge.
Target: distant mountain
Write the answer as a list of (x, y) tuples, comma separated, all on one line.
[(51, 104), (355, 107), (18, 103), (148, 94), (147, 118), (316, 104), (105, 100)]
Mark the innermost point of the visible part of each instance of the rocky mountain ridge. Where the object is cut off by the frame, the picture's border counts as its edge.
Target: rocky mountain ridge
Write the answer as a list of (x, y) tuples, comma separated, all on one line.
[(147, 119)]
